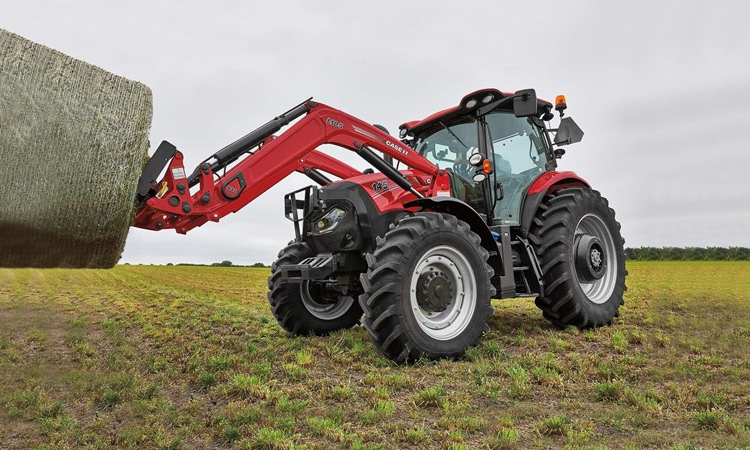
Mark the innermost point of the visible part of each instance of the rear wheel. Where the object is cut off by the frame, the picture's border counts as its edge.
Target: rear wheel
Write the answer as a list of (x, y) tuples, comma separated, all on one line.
[(580, 250), (306, 308), (427, 289)]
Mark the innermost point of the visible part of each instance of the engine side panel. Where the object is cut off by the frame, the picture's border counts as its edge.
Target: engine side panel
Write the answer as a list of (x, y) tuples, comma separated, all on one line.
[(364, 220), (385, 194)]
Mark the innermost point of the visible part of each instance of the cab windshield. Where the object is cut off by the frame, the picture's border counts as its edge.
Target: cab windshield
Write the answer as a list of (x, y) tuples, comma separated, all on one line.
[(449, 146), (515, 145)]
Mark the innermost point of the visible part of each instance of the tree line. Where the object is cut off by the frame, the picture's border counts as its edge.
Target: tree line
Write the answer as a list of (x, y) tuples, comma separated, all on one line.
[(224, 263), (688, 253)]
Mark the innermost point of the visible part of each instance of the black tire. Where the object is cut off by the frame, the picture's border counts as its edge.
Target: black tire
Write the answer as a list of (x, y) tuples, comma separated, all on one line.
[(571, 260), (441, 257), (300, 311)]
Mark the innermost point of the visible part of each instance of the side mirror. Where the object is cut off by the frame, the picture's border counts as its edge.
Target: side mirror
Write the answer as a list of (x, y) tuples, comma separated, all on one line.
[(568, 132), (524, 103)]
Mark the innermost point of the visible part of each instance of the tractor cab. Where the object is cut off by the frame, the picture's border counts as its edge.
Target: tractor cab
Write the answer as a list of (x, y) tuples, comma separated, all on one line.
[(518, 150)]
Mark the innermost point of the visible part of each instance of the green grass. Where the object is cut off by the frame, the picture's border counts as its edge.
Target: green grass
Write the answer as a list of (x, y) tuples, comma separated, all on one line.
[(190, 357)]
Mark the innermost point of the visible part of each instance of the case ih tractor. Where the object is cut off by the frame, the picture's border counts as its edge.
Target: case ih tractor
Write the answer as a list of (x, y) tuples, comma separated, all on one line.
[(465, 206)]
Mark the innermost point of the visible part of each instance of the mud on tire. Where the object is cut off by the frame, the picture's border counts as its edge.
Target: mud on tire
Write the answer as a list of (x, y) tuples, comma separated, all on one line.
[(427, 288), (302, 311), (580, 250)]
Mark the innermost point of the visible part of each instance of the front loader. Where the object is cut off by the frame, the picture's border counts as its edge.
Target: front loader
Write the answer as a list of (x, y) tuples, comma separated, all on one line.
[(465, 206)]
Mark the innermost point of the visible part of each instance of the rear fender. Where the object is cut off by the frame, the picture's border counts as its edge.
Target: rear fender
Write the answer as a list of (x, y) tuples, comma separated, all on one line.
[(463, 211), (547, 182)]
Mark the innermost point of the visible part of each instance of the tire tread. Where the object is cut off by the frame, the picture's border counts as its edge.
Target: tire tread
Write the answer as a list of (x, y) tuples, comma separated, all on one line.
[(549, 234), (382, 286)]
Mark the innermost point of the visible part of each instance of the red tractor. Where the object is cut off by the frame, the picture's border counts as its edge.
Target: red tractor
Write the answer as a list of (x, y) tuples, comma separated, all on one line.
[(465, 206)]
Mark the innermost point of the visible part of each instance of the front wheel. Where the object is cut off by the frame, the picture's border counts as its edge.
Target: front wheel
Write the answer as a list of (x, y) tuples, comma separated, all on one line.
[(306, 308), (580, 250), (427, 289)]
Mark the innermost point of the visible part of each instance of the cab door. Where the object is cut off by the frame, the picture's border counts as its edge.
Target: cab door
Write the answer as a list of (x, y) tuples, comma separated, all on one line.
[(519, 156)]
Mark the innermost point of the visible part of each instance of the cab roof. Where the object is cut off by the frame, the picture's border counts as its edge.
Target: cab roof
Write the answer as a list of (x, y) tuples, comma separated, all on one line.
[(482, 97)]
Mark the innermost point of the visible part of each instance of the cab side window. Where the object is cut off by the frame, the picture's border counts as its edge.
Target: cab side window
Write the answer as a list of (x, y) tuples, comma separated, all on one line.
[(518, 143)]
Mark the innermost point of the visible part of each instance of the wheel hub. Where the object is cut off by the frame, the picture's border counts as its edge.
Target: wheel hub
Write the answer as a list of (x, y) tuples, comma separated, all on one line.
[(435, 291), (443, 292), (596, 258), (590, 259)]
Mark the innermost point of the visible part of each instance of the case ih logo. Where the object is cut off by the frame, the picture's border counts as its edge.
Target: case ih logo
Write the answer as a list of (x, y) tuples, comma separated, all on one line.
[(396, 147), (334, 123)]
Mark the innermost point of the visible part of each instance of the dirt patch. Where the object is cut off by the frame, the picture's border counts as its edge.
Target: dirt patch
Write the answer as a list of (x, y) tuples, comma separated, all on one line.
[(36, 332)]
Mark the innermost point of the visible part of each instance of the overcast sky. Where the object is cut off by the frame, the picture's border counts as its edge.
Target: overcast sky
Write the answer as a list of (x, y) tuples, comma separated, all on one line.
[(661, 89)]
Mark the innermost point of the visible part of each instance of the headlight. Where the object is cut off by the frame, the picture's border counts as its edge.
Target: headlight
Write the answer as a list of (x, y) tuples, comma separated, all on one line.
[(330, 220), (476, 159)]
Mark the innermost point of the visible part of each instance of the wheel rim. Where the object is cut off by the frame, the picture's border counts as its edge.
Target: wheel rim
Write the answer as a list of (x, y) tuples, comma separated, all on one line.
[(602, 255), (324, 311), (446, 273)]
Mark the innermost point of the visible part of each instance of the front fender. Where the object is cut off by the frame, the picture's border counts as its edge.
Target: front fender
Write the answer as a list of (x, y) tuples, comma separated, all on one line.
[(463, 211)]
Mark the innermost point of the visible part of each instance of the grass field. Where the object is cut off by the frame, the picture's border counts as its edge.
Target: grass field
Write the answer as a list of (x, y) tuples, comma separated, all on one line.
[(190, 357)]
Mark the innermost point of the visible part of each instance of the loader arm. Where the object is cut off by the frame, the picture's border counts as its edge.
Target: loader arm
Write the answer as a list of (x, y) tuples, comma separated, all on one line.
[(260, 160), (317, 160)]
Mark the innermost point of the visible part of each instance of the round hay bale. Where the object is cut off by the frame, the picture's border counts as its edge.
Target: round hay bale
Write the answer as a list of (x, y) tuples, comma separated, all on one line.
[(73, 141)]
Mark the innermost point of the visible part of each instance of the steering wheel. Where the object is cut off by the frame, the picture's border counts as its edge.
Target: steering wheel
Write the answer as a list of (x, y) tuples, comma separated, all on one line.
[(460, 168)]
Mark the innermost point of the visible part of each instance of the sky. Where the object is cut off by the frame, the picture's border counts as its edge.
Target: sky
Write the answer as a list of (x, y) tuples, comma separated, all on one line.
[(661, 90)]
